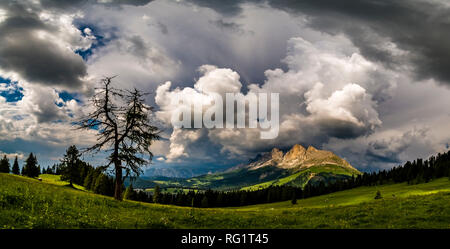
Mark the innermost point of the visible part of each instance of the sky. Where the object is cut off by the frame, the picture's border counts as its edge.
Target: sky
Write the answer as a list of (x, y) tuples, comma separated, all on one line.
[(368, 80)]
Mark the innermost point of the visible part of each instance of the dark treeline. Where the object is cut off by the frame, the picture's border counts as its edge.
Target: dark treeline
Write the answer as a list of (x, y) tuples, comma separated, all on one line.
[(211, 198), (418, 171), (30, 168)]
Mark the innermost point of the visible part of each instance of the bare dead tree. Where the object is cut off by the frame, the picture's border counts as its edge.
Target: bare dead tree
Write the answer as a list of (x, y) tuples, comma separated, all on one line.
[(124, 129)]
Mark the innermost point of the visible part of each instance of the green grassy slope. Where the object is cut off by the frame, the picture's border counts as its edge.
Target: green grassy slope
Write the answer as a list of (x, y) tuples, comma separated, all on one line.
[(359, 195), (28, 203), (301, 178), (56, 179)]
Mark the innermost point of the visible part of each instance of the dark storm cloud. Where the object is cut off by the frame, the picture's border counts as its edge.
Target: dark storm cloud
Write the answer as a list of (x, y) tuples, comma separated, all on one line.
[(38, 61), (131, 2), (63, 4), (385, 152), (342, 129), (228, 7), (229, 26), (161, 26), (418, 27), (138, 48), (35, 59)]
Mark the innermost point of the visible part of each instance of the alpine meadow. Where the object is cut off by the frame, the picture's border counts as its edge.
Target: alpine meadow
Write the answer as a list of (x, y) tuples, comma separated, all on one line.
[(219, 124)]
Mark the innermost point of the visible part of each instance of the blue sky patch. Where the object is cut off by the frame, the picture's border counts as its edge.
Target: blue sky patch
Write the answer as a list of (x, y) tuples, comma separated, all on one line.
[(66, 96), (10, 90), (100, 40)]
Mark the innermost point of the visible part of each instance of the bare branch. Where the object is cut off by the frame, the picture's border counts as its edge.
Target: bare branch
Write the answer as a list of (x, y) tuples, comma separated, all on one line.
[(122, 120)]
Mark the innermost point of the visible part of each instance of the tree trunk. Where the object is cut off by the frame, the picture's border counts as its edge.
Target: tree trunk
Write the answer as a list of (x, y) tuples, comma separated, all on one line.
[(118, 187)]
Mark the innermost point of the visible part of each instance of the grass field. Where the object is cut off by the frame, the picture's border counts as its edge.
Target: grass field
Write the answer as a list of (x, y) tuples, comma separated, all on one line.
[(56, 179), (29, 203), (390, 192), (301, 178)]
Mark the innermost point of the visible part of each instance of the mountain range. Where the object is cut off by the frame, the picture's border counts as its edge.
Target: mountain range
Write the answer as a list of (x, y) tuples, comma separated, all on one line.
[(296, 167)]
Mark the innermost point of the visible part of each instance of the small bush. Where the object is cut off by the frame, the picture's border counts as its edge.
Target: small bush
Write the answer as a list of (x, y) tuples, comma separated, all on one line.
[(378, 195)]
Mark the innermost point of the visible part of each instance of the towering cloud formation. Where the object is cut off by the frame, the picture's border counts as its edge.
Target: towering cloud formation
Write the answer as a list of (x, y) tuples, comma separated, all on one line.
[(395, 33), (328, 91), (346, 113)]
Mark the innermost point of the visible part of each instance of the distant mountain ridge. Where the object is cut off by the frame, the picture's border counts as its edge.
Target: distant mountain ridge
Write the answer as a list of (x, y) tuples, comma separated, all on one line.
[(297, 167), (185, 171)]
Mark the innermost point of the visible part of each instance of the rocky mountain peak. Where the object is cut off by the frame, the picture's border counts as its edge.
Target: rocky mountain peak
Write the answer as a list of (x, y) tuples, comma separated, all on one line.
[(296, 152), (311, 149), (297, 158), (276, 153)]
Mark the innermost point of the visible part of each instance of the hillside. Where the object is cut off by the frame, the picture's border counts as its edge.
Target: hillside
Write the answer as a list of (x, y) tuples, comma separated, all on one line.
[(28, 203), (389, 192), (296, 167)]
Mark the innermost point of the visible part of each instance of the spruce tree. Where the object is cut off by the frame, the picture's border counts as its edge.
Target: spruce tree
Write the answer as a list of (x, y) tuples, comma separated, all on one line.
[(130, 194), (88, 180), (102, 185), (243, 198), (30, 168), (294, 199), (205, 202), (4, 165), (71, 161), (15, 168), (220, 200), (378, 195), (157, 195)]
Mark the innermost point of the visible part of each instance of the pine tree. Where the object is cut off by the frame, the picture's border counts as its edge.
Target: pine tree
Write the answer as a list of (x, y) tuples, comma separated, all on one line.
[(71, 162), (157, 194), (205, 202), (102, 185), (15, 168), (130, 194), (220, 200), (270, 195), (378, 195), (30, 168), (294, 199), (4, 165), (88, 180), (243, 198)]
